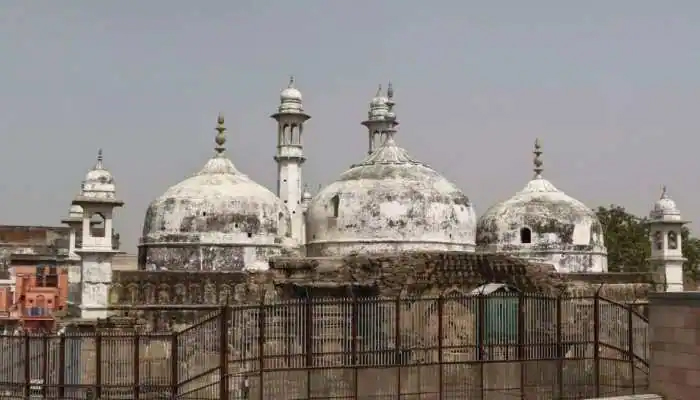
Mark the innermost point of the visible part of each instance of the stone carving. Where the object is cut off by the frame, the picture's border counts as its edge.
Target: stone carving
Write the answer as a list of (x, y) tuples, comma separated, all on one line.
[(409, 274)]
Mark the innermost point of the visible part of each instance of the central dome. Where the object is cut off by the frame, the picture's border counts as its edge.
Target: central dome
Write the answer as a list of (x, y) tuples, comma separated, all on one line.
[(219, 210), (389, 202)]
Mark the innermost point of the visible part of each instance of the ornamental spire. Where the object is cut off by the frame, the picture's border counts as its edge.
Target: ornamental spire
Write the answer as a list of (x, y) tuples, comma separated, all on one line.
[(538, 161), (220, 138)]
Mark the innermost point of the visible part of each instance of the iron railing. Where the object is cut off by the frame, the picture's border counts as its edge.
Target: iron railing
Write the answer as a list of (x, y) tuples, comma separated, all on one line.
[(449, 347)]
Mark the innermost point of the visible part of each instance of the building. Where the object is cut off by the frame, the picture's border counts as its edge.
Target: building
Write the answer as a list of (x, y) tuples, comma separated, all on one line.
[(219, 220)]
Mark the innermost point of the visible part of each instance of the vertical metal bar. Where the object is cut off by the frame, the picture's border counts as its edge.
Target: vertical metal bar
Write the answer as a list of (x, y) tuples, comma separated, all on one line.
[(596, 343), (175, 366), (630, 344), (27, 364), (137, 364), (560, 347), (353, 344), (98, 365), (45, 363), (440, 309), (224, 353), (62, 366), (480, 338), (261, 350), (309, 342), (397, 340), (522, 342)]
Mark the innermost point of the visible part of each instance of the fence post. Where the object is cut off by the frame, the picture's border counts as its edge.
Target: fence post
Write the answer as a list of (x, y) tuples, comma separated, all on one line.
[(308, 342), (223, 345), (261, 350), (522, 341), (398, 362), (62, 365), (630, 344), (440, 310), (137, 362), (480, 338), (353, 344), (596, 343), (27, 363), (175, 366), (560, 347), (45, 368), (98, 364)]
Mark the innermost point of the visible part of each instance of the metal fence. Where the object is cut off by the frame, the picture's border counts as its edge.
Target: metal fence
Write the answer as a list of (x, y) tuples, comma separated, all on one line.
[(458, 346)]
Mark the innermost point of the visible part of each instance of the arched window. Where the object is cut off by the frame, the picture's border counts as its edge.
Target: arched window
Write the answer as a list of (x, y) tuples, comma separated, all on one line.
[(335, 203), (672, 240), (658, 241), (525, 235)]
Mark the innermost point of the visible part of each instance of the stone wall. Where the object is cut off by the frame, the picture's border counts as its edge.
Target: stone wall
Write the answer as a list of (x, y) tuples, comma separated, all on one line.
[(411, 274), (675, 347)]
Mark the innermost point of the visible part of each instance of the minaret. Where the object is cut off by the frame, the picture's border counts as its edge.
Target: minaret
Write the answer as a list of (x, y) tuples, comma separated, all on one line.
[(290, 117), (377, 122), (665, 225), (98, 200)]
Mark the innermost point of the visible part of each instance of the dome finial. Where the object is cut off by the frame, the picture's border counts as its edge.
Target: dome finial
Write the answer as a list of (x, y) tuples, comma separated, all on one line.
[(390, 91), (291, 81), (664, 193), (99, 165), (538, 161), (220, 139)]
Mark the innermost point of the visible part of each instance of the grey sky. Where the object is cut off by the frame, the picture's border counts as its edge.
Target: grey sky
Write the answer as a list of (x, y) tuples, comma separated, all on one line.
[(611, 88)]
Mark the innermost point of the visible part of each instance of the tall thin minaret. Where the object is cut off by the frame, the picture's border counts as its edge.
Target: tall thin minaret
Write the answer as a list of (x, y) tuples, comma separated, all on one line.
[(665, 227), (378, 121), (97, 199), (290, 117)]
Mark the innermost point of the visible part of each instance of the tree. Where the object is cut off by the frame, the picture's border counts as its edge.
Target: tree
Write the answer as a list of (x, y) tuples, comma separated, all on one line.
[(626, 239), (627, 242)]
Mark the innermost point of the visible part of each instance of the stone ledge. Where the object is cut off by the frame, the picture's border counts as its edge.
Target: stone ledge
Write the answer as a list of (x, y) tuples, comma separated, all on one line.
[(691, 299)]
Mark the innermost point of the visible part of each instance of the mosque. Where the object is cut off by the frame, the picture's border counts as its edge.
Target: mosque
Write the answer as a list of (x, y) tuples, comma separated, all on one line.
[(221, 220)]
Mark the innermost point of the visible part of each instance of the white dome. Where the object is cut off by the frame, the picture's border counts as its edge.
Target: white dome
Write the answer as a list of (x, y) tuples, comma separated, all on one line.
[(99, 182), (541, 208), (665, 208), (218, 205), (389, 202), (290, 93)]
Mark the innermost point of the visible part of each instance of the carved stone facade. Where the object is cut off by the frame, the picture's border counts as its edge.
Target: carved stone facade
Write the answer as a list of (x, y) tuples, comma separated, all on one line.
[(412, 274)]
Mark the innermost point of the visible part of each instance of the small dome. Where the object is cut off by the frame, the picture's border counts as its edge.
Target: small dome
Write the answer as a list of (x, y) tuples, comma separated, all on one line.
[(665, 207), (98, 182), (306, 196), (75, 211), (389, 202), (290, 93)]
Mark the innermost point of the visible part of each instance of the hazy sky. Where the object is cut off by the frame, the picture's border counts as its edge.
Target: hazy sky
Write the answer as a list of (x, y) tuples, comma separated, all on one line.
[(611, 88)]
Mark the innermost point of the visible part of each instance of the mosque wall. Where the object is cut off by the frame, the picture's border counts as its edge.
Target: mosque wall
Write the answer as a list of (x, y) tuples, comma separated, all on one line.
[(194, 257)]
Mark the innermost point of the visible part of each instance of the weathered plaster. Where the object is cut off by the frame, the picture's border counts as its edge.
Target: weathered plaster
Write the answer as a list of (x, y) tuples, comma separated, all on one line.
[(389, 203), (218, 218), (564, 231)]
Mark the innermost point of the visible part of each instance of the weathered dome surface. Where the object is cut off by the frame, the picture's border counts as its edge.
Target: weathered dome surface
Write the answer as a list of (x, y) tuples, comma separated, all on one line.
[(389, 202), (542, 222), (208, 220), (543, 209)]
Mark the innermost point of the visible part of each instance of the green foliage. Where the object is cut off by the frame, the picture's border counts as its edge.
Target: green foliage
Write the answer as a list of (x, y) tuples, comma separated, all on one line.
[(628, 243)]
